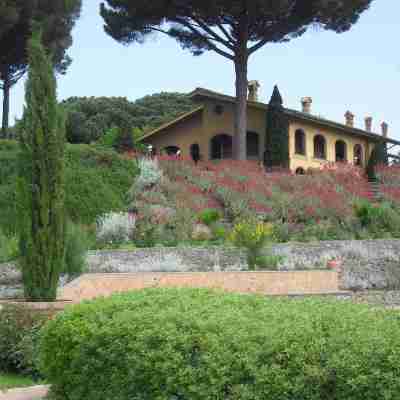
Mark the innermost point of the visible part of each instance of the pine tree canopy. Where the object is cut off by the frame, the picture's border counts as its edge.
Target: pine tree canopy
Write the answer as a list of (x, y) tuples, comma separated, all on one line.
[(56, 19), (235, 29)]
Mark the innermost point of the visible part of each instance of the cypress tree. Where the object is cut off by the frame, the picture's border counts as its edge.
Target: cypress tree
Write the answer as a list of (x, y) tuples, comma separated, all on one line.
[(41, 180), (277, 137), (379, 156)]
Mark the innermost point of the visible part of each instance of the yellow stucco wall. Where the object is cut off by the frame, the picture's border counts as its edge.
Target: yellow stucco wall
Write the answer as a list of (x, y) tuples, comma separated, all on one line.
[(331, 136), (201, 127)]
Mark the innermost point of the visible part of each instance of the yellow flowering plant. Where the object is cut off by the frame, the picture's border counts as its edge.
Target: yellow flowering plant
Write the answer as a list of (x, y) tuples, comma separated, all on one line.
[(252, 236)]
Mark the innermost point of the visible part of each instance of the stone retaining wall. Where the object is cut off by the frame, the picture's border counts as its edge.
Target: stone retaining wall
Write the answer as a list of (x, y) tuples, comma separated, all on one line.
[(369, 264)]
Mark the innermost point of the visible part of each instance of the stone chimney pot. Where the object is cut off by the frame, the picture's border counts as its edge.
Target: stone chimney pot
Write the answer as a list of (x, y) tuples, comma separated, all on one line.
[(306, 103), (385, 129), (368, 124), (253, 87), (349, 118)]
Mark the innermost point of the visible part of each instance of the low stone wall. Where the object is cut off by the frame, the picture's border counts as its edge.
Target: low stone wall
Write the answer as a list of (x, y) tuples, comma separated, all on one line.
[(369, 264)]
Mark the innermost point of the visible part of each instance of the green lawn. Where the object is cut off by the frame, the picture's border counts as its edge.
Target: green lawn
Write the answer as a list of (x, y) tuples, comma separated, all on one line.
[(8, 381)]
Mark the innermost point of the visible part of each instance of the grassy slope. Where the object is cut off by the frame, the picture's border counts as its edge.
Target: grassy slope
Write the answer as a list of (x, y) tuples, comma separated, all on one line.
[(9, 381), (96, 182)]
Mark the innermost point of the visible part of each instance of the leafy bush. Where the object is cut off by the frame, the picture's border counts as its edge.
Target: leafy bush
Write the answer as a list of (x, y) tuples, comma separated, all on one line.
[(150, 174), (252, 236), (8, 247), (115, 228), (209, 216), (197, 344), (378, 219), (76, 247), (19, 329)]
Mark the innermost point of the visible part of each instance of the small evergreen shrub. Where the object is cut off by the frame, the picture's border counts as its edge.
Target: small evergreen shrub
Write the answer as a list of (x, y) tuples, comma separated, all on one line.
[(8, 247), (197, 344), (19, 329)]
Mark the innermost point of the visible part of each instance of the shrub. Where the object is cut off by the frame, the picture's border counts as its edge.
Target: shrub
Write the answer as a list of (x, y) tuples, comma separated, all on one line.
[(75, 250), (252, 236), (150, 174), (197, 344), (8, 247), (19, 329), (115, 228), (209, 216)]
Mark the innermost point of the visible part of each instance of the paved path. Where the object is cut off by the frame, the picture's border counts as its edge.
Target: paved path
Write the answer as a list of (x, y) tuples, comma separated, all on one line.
[(31, 393)]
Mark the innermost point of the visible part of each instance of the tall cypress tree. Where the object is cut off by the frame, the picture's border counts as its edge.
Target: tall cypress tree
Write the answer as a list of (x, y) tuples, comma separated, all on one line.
[(277, 137), (41, 181)]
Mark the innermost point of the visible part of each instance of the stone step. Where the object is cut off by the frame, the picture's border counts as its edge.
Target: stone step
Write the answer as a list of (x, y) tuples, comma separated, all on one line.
[(29, 393), (315, 282)]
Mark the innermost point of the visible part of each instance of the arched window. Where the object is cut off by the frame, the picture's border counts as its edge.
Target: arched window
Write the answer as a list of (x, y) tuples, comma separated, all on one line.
[(300, 171), (221, 147), (340, 151), (252, 145), (300, 142), (172, 150), (195, 152), (358, 155), (319, 147)]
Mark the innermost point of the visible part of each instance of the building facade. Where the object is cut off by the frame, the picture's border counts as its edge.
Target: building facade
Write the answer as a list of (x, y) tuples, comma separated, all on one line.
[(313, 141)]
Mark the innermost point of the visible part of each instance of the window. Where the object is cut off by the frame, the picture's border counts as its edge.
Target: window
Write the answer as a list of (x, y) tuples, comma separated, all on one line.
[(300, 142), (358, 155), (221, 147), (341, 151), (300, 171), (172, 150), (252, 145), (195, 152), (319, 147)]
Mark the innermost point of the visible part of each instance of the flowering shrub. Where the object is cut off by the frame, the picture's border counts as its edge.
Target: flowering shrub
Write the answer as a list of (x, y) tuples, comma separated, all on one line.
[(252, 237), (115, 228)]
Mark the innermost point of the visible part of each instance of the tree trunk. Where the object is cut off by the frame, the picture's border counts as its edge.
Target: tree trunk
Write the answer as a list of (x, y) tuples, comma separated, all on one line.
[(6, 105), (239, 142)]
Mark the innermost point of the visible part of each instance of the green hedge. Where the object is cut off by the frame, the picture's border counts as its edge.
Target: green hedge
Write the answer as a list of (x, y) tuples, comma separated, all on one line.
[(97, 181), (19, 334), (196, 344)]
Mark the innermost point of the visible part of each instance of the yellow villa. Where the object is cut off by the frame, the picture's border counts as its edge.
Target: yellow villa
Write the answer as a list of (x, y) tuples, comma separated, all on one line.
[(313, 141)]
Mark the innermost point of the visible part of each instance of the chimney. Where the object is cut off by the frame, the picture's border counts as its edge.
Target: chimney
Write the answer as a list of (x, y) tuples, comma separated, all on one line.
[(253, 90), (349, 118), (385, 129), (368, 124), (306, 105)]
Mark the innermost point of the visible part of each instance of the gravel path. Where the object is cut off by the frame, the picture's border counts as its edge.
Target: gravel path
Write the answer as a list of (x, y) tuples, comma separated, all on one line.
[(32, 393)]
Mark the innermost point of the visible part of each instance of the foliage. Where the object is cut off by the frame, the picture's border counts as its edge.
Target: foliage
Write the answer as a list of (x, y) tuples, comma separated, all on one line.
[(56, 18), (252, 236), (9, 381), (157, 344), (76, 246), (115, 228), (209, 216), (277, 137), (232, 29), (96, 182), (90, 118), (19, 329), (150, 175), (8, 247), (41, 208), (378, 158), (378, 219)]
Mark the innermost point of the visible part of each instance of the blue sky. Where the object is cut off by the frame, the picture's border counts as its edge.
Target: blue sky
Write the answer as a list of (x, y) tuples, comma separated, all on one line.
[(357, 71)]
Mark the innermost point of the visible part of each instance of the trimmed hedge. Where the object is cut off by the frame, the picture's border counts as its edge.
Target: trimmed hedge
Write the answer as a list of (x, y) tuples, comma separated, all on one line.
[(96, 182), (197, 344)]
